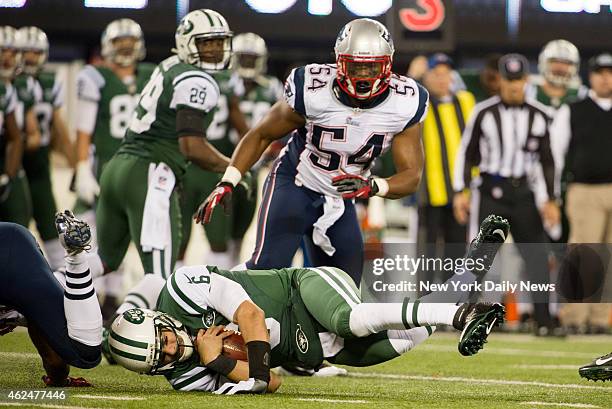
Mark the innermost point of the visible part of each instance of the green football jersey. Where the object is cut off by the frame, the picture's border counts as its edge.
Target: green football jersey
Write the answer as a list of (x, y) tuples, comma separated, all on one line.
[(257, 101), (49, 93), (24, 87), (115, 101), (152, 130), (220, 130), (198, 298), (8, 103)]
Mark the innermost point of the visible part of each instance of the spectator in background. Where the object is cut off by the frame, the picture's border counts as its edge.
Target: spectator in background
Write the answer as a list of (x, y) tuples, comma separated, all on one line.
[(446, 118), (582, 141), (506, 135), (483, 84)]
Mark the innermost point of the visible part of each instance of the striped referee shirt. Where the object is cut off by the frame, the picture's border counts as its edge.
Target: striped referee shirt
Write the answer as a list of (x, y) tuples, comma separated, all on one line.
[(506, 141)]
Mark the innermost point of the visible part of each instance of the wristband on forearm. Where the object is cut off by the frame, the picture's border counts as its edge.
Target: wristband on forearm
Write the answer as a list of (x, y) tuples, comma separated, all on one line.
[(232, 175), (259, 360), (222, 365), (383, 187)]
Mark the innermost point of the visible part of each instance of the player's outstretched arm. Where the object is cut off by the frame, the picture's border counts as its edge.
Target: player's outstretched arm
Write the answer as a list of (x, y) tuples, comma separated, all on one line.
[(199, 151), (409, 158)]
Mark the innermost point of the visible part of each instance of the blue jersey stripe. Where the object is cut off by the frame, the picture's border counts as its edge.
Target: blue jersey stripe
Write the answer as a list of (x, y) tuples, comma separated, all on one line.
[(423, 97), (298, 80)]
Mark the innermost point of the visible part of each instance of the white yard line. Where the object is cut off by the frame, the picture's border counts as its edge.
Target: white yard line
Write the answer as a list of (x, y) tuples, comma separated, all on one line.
[(332, 400), (107, 397), (515, 351), (45, 405), (565, 405), (22, 355), (572, 367), (476, 380)]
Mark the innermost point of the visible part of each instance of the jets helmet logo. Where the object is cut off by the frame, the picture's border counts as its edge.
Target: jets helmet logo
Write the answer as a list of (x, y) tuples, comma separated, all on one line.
[(208, 319), (300, 340), (186, 27), (134, 316)]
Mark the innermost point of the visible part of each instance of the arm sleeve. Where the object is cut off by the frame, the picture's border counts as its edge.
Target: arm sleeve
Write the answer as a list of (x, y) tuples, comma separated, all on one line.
[(87, 113), (196, 90), (199, 379), (547, 160), (423, 105), (58, 93), (469, 152), (294, 90), (226, 295), (89, 83), (560, 135)]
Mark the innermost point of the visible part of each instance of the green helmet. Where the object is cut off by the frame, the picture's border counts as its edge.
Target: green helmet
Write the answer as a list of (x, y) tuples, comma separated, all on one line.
[(136, 340)]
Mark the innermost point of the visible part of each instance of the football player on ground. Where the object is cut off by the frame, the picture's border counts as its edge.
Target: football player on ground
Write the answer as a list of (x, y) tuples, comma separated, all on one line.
[(311, 314), (227, 127), (107, 96), (15, 203), (346, 115), (48, 100), (60, 309), (138, 200), (598, 370)]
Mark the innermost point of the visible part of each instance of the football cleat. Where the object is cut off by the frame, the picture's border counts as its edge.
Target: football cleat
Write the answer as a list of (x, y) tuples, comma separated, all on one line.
[(74, 234), (475, 321), (598, 370), (69, 382), (491, 235)]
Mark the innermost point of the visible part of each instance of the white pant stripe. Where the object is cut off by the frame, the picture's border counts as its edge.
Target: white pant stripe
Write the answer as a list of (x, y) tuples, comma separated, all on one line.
[(350, 291), (335, 286)]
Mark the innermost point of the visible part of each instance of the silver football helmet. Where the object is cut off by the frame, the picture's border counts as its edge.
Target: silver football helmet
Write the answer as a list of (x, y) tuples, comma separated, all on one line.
[(136, 341), (559, 51), (250, 55), (364, 55), (123, 56), (196, 28), (10, 57), (33, 39)]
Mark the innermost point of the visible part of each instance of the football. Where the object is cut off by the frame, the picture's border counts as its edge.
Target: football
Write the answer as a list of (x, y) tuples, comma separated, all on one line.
[(233, 347)]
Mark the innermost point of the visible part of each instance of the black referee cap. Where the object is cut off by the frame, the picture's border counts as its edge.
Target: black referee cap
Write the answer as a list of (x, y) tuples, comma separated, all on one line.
[(513, 66), (600, 61)]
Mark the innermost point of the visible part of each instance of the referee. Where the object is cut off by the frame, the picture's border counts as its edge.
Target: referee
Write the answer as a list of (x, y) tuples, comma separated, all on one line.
[(506, 137)]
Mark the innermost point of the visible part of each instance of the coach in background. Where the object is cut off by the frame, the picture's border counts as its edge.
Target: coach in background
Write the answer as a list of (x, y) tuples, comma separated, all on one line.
[(581, 136), (445, 121), (506, 135)]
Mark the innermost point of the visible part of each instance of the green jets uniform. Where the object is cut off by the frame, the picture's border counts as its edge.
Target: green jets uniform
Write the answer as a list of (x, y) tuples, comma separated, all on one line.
[(48, 96), (17, 208), (150, 140), (307, 314), (115, 101), (198, 183)]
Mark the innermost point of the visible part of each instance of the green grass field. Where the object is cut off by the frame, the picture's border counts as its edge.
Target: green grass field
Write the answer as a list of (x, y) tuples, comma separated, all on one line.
[(513, 371)]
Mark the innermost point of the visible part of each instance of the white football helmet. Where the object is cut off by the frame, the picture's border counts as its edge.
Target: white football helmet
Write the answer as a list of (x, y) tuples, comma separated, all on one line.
[(136, 340), (9, 41), (33, 39), (250, 55), (364, 55), (560, 51), (123, 27), (202, 25)]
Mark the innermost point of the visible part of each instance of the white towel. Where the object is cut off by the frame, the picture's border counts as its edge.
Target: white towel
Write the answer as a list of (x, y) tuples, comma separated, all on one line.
[(333, 209), (155, 232)]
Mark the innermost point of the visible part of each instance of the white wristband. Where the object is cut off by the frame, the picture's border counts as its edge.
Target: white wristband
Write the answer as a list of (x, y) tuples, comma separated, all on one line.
[(383, 187), (232, 175)]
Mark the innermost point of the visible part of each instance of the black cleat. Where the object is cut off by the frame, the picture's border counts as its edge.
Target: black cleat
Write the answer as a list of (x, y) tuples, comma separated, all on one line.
[(74, 234), (598, 370), (475, 321), (492, 234)]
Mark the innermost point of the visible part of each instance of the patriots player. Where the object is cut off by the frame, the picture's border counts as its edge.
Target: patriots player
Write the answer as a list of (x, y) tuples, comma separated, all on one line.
[(61, 310), (346, 115), (310, 314)]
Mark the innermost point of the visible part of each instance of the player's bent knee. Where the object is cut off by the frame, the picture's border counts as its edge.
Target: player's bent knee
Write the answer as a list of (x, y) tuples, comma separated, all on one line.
[(88, 356)]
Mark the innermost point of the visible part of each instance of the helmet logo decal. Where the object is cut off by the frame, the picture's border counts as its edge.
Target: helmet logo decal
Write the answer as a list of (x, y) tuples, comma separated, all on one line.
[(135, 316), (300, 340), (208, 319), (186, 27)]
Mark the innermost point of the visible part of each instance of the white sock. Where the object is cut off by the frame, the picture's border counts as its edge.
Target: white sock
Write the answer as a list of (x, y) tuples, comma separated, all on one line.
[(223, 260), (55, 253), (144, 294), (370, 318), (405, 340), (81, 306)]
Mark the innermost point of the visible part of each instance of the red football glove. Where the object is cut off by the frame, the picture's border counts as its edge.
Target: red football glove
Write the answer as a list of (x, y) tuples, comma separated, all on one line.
[(221, 195), (69, 382), (355, 186)]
